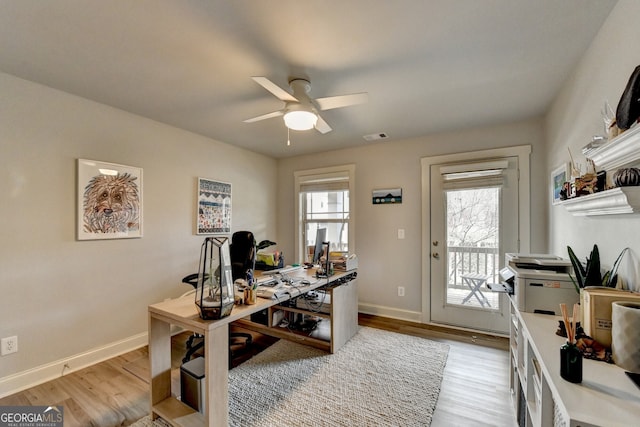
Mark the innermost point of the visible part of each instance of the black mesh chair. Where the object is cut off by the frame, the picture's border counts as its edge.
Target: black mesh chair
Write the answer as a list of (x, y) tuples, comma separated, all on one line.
[(243, 259)]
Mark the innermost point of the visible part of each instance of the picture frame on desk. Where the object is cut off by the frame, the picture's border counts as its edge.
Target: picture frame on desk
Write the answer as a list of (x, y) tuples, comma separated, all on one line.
[(559, 176), (213, 212)]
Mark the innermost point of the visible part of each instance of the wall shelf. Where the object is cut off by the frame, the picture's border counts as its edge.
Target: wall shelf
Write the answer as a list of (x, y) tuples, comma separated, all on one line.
[(621, 151), (619, 200)]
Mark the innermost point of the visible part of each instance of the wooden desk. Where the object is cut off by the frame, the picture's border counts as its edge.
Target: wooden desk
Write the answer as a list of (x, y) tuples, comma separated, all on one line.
[(183, 312)]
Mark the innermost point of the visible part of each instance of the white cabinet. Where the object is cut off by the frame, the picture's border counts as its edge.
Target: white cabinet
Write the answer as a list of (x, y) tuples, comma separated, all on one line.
[(541, 398)]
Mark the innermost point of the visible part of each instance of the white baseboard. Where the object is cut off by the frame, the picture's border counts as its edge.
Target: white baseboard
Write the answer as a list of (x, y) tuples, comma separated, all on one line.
[(394, 313), (31, 377)]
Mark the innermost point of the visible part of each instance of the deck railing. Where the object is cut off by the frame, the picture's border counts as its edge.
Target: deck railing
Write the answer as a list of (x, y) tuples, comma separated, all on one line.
[(466, 259)]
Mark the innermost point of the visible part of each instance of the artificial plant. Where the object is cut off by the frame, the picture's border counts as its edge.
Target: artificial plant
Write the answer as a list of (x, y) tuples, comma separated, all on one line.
[(590, 273)]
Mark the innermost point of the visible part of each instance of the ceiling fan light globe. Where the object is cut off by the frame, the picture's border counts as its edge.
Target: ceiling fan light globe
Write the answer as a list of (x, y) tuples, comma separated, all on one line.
[(300, 120)]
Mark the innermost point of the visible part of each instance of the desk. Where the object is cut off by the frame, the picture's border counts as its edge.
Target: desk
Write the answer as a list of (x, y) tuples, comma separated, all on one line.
[(183, 312), (474, 282)]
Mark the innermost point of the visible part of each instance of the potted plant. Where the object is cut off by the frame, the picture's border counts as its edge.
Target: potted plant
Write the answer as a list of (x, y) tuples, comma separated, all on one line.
[(590, 273)]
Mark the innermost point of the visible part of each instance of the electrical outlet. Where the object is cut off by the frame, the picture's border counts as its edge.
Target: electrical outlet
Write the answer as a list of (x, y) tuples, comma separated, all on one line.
[(400, 291), (9, 345)]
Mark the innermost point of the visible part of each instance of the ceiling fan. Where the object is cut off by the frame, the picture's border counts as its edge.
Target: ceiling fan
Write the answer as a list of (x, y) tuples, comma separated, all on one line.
[(300, 110)]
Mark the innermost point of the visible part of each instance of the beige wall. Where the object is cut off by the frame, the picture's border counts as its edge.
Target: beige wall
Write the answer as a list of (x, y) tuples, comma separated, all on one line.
[(384, 261), (575, 117), (63, 297)]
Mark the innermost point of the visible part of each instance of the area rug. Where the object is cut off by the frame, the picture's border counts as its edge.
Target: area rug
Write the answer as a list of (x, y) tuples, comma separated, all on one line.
[(378, 378)]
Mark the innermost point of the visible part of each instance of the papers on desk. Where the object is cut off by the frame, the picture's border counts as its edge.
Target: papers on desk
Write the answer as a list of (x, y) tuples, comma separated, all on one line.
[(271, 292), (343, 262), (277, 289)]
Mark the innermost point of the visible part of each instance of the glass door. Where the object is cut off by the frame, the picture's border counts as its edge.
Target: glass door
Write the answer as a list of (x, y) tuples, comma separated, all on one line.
[(474, 221)]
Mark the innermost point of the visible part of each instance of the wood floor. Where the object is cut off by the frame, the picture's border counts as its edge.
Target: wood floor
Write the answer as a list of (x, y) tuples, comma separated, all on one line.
[(474, 392)]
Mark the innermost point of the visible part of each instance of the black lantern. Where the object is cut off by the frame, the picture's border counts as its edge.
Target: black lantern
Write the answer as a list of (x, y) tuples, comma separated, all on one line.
[(214, 293)]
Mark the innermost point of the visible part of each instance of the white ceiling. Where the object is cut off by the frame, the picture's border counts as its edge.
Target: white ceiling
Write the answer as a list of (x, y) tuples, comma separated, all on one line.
[(428, 65)]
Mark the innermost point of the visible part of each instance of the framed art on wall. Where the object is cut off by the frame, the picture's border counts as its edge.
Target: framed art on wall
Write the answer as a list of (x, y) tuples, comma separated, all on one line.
[(214, 207), (386, 196), (559, 176), (109, 202)]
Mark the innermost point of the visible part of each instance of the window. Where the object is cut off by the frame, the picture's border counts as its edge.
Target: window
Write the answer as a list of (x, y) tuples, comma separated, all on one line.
[(324, 202)]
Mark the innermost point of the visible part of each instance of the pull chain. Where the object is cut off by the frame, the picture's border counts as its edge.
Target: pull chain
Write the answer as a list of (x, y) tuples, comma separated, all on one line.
[(288, 139)]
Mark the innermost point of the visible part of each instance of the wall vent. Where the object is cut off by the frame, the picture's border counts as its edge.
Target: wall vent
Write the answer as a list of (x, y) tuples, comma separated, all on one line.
[(376, 136)]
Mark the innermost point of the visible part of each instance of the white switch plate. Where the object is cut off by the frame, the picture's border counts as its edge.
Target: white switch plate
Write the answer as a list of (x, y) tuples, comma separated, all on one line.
[(400, 233), (400, 291)]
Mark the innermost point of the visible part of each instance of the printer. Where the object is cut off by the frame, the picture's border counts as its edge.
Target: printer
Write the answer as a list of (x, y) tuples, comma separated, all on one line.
[(538, 283)]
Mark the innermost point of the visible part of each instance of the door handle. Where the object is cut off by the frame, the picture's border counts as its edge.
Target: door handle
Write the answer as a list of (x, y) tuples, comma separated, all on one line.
[(436, 255)]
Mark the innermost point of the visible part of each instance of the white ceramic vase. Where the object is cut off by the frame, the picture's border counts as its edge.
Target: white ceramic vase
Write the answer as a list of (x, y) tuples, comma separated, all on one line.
[(625, 335)]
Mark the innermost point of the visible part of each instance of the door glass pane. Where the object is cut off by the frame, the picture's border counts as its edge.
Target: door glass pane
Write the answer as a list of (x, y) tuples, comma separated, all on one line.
[(473, 237)]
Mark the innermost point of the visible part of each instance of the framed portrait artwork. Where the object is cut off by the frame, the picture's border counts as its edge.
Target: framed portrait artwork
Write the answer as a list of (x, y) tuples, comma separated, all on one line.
[(109, 201), (559, 176), (214, 207)]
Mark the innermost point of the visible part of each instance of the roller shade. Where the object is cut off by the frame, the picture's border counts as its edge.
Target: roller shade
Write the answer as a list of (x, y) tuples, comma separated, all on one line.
[(337, 182), (474, 175)]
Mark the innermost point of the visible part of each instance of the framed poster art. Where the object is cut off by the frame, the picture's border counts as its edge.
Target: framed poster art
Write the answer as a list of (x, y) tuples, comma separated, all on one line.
[(559, 176), (386, 196), (109, 204), (214, 207)]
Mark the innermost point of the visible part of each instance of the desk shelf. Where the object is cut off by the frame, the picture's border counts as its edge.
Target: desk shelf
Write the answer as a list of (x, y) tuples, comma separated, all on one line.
[(178, 413), (283, 333)]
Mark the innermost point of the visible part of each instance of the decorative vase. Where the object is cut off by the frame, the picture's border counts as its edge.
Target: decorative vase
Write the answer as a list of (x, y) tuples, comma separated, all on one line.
[(571, 363), (627, 177), (625, 335)]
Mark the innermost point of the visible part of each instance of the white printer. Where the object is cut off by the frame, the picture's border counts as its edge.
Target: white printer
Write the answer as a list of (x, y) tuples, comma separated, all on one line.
[(540, 282)]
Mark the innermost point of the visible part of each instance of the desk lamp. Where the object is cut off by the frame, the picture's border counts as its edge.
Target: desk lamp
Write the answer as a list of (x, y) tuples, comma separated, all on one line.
[(214, 292)]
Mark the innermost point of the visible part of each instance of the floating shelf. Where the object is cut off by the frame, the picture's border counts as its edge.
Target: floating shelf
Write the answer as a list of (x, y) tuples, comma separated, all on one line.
[(620, 200), (621, 151)]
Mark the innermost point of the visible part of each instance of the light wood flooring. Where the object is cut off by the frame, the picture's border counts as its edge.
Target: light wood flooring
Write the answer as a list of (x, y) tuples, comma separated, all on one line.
[(474, 392)]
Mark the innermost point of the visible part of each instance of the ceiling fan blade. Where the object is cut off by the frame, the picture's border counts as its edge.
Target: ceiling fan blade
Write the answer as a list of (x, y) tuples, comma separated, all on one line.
[(279, 93), (265, 116), (322, 126), (340, 101)]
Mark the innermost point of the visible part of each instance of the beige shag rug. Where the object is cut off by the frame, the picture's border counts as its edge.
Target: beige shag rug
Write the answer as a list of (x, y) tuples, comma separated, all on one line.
[(378, 378)]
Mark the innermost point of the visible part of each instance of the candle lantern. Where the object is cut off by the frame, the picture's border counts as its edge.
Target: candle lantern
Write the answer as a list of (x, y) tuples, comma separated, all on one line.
[(214, 292)]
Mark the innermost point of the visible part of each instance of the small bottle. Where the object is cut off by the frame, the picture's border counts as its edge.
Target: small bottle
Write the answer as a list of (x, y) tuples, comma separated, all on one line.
[(571, 362)]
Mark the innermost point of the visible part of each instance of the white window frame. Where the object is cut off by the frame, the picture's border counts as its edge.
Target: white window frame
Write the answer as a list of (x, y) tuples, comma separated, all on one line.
[(319, 175)]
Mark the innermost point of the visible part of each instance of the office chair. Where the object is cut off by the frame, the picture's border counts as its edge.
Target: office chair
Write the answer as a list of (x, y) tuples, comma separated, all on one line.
[(243, 258)]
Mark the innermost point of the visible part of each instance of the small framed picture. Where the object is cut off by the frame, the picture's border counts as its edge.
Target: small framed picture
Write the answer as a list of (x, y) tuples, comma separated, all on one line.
[(386, 196), (559, 176), (214, 207), (109, 201)]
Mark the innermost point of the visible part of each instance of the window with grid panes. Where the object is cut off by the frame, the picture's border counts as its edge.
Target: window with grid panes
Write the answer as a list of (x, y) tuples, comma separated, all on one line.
[(325, 203)]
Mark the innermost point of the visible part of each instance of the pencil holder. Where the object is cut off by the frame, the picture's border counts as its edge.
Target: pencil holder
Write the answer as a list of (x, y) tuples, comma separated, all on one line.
[(250, 296), (571, 363)]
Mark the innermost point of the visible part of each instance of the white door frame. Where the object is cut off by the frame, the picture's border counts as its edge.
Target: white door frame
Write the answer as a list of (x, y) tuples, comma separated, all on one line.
[(523, 153)]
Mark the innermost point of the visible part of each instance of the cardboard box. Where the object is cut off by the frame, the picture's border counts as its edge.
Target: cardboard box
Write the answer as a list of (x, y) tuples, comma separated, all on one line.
[(596, 311)]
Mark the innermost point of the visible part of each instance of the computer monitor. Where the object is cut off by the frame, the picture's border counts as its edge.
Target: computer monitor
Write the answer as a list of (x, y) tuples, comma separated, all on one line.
[(321, 236)]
